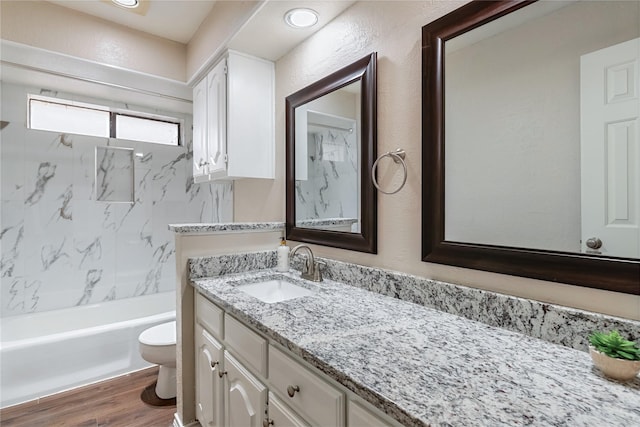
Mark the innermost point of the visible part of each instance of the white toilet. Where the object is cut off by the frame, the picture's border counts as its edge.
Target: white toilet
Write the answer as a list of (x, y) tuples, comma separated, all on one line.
[(158, 345)]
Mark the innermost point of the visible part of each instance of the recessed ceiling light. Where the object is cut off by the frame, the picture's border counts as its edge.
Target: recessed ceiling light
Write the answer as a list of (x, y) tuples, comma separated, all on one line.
[(301, 18), (127, 3)]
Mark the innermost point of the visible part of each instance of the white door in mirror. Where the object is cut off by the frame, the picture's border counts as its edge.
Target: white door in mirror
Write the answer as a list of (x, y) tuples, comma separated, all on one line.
[(610, 150)]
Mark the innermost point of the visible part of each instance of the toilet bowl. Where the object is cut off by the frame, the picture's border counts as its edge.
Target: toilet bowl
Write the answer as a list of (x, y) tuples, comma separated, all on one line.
[(158, 346)]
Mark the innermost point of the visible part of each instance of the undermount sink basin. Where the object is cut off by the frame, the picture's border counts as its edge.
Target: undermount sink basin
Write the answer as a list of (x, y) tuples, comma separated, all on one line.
[(275, 290)]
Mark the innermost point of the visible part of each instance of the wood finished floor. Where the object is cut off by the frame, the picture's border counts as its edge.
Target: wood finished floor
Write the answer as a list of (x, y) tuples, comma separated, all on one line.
[(111, 403)]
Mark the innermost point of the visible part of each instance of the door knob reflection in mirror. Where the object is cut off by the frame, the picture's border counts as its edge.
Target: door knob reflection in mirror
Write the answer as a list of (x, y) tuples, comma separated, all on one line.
[(594, 243)]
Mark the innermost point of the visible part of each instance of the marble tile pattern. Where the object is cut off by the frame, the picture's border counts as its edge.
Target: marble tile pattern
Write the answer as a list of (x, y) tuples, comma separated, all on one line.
[(60, 247), (425, 367), (228, 227), (553, 323), (114, 174), (332, 182)]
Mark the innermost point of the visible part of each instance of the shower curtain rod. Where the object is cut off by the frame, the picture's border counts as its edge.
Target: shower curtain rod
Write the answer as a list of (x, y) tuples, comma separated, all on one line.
[(87, 80)]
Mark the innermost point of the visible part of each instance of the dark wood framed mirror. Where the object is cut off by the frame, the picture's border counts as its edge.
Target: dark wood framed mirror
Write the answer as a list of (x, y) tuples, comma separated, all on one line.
[(331, 139), (442, 210)]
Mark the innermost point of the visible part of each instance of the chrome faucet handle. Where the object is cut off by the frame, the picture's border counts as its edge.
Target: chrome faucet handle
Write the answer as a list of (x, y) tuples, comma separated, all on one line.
[(317, 273), (311, 269)]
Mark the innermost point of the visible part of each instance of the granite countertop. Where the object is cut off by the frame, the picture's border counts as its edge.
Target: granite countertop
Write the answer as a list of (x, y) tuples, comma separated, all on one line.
[(226, 227), (426, 367), (325, 221)]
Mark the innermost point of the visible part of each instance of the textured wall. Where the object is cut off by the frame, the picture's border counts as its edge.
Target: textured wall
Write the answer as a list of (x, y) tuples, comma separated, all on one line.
[(225, 18), (393, 29), (61, 247), (56, 28)]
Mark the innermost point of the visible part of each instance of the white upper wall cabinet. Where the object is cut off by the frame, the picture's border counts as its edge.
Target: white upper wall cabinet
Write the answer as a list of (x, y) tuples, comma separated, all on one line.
[(233, 120)]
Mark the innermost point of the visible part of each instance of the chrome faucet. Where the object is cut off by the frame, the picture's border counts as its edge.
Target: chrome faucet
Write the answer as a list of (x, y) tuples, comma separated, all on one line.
[(311, 268)]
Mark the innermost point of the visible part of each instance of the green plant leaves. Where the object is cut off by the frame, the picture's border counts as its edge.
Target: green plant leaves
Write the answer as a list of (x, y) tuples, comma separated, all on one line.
[(614, 345)]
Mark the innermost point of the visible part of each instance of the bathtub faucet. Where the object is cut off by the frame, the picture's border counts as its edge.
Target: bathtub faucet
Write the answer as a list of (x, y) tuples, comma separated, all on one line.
[(311, 268)]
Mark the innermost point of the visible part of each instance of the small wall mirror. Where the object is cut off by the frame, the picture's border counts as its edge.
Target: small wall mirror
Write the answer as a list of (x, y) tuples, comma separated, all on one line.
[(331, 146), (530, 141)]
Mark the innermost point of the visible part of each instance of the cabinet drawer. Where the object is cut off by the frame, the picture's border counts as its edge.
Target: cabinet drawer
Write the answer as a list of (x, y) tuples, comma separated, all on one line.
[(318, 402), (248, 346), (210, 316)]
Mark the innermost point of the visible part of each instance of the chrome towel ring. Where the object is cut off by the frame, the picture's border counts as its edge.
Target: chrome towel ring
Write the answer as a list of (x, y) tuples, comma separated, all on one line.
[(398, 157)]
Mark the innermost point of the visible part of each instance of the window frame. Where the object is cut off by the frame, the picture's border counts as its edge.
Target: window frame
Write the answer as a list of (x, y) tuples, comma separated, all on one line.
[(113, 114)]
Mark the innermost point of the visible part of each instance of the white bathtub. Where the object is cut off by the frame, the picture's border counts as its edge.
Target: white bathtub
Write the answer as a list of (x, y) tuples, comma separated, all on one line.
[(44, 353)]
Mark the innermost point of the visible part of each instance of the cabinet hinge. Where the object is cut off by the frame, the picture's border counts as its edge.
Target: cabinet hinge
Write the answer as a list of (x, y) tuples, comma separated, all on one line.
[(225, 158), (225, 69)]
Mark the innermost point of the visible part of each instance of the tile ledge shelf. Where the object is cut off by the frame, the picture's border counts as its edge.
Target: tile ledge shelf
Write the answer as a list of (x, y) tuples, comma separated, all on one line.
[(226, 227)]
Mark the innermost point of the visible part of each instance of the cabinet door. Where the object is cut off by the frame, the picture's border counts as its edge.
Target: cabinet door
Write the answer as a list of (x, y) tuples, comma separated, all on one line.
[(200, 155), (251, 117), (209, 354), (281, 415), (217, 119), (245, 397), (358, 416)]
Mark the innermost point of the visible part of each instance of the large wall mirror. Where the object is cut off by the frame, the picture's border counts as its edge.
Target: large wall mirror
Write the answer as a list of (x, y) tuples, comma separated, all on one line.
[(331, 147), (531, 154)]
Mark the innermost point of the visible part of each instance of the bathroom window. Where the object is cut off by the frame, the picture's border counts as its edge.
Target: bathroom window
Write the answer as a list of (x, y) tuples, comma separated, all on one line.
[(60, 115)]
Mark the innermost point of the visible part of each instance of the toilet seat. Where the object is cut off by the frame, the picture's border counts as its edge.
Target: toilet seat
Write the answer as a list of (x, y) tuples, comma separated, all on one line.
[(159, 335)]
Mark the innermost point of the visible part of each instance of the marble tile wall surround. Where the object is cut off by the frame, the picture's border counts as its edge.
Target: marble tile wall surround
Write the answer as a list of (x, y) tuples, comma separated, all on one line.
[(114, 174), (556, 324), (59, 246), (332, 176)]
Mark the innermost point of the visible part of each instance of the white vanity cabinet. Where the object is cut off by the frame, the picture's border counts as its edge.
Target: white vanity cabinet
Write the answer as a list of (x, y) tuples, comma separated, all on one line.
[(244, 395), (281, 415), (209, 359), (359, 416), (244, 380), (233, 120), (319, 402)]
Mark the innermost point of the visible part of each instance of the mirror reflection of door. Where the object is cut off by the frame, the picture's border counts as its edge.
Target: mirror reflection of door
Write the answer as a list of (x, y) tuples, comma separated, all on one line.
[(516, 125), (328, 161), (610, 150)]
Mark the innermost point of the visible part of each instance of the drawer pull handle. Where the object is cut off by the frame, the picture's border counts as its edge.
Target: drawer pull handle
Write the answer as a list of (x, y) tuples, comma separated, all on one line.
[(222, 373), (291, 390), (213, 364), (267, 422)]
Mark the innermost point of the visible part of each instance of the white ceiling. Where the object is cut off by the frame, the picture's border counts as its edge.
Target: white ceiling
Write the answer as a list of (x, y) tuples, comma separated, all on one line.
[(265, 35), (175, 20)]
